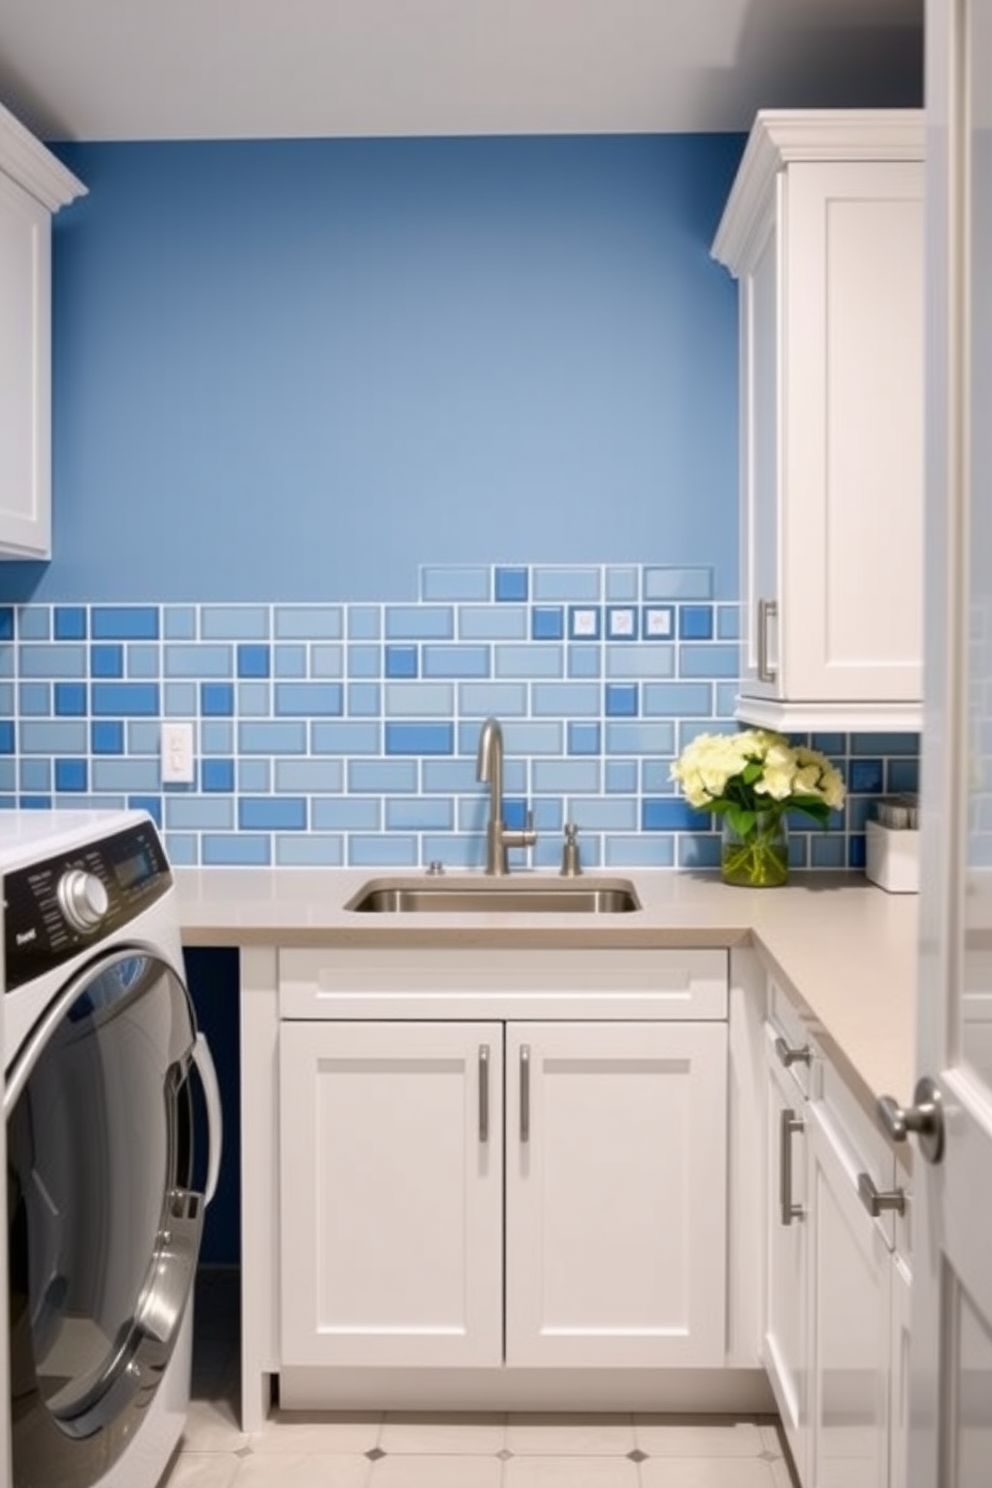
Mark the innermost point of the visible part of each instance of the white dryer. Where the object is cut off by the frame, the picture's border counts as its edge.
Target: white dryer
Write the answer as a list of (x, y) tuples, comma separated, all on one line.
[(105, 1194)]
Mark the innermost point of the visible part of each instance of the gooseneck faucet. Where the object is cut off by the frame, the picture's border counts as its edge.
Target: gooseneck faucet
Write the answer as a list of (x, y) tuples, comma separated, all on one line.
[(489, 769)]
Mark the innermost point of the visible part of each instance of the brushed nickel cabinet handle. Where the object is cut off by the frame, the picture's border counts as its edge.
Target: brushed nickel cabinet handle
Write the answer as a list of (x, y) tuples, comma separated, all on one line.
[(792, 1055), (876, 1200), (525, 1092), (789, 1125), (483, 1092), (767, 610)]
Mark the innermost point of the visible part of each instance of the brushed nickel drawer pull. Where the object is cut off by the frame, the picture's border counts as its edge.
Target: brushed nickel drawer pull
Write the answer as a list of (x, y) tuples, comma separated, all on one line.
[(483, 1092), (789, 1125), (525, 1092)]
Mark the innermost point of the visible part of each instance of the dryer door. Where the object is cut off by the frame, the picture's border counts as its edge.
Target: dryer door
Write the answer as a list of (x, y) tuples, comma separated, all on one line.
[(103, 1225)]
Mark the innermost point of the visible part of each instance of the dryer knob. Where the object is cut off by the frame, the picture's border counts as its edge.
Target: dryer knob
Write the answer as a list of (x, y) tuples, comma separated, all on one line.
[(83, 899)]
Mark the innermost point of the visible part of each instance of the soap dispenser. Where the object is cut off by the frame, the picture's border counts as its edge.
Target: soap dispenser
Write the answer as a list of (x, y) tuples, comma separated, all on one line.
[(571, 863)]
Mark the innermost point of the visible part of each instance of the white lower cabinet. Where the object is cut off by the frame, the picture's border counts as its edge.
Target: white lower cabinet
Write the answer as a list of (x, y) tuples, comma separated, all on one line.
[(608, 1179)]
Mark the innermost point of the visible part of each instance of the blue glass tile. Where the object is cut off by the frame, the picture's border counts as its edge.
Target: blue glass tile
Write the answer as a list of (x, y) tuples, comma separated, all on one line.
[(622, 583), (885, 744), (107, 661), (583, 738), (326, 661), (584, 623), (515, 776), (364, 622), (8, 775), (856, 852), (34, 623), (254, 661), (826, 851), (420, 814), (621, 700), (35, 803), (309, 852), (565, 699), (549, 814), (272, 738), (346, 738), (34, 700), (456, 661), (866, 776), (144, 736), (473, 813), (601, 814), (6, 661), (419, 699), (492, 623), (620, 777), (254, 776), (699, 850), (445, 584), (529, 739), (290, 661), (671, 815), (454, 852), (216, 736), (199, 661), (696, 622), (45, 736), (449, 775), (656, 777), (420, 738), (107, 737), (234, 622), (709, 659), (638, 852), (577, 584), (690, 729), (579, 776), (346, 815), (725, 699), (151, 804), (528, 661), (309, 699), (7, 702), (501, 699), (857, 812), (35, 775), (678, 699), (62, 660), (640, 662), (382, 776), (903, 775), (308, 623), (585, 661), (658, 622), (70, 774), (309, 776), (621, 623), (179, 623), (216, 699), (728, 622), (142, 661), (640, 738), (6, 623), (196, 814), (401, 661), (217, 774), (125, 774), (237, 850), (272, 814), (420, 622), (179, 699), (364, 661), (125, 622), (829, 743), (678, 583), (70, 623), (70, 699), (511, 585), (364, 700), (382, 852), (547, 623), (254, 699)]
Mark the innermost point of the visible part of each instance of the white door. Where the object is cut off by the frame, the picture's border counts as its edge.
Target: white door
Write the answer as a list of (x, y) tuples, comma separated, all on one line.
[(616, 1194), (392, 1198), (951, 1349)]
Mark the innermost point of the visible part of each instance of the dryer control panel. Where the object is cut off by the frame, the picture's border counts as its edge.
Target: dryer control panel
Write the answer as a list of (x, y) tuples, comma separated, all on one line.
[(56, 906)]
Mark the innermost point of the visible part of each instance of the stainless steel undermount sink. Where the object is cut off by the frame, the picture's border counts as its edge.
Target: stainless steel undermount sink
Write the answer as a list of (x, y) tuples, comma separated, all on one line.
[(496, 896)]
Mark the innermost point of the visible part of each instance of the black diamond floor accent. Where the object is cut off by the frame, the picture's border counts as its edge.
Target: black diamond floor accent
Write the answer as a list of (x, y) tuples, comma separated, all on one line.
[(637, 1455), (374, 1454), (504, 1454)]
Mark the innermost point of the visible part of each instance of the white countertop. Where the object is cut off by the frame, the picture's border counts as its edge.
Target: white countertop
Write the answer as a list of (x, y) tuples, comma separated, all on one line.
[(843, 949)]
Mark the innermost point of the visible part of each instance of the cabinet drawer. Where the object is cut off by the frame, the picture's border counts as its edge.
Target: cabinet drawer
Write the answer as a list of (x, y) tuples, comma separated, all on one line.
[(860, 1146), (789, 1035), (462, 982)]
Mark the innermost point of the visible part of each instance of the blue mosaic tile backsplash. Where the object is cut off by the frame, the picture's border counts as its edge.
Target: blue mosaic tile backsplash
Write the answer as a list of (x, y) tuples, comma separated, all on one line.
[(346, 734)]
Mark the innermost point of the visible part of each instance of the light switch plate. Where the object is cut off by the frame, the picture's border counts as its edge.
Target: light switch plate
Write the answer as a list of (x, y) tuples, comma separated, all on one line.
[(177, 754)]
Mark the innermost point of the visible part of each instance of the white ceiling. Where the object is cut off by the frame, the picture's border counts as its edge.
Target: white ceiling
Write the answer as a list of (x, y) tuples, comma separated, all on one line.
[(197, 69)]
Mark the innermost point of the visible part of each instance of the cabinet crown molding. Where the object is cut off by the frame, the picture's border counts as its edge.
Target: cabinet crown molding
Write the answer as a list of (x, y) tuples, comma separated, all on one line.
[(34, 168), (781, 137)]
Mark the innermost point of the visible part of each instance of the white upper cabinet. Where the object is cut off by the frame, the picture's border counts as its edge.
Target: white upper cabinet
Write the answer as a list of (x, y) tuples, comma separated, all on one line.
[(824, 232), (33, 185)]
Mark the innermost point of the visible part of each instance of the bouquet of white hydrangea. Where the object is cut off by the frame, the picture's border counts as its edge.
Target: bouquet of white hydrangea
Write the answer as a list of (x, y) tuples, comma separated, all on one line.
[(749, 774)]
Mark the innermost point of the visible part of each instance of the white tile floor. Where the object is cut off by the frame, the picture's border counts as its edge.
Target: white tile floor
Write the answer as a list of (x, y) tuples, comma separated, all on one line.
[(393, 1450)]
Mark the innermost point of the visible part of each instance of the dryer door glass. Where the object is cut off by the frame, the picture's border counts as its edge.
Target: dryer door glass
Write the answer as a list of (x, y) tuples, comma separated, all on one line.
[(102, 1227)]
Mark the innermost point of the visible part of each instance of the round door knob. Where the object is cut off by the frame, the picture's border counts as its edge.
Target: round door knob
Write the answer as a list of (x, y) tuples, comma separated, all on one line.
[(83, 899), (925, 1118)]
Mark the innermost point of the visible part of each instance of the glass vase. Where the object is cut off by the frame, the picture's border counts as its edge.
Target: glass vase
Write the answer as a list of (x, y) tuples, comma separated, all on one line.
[(758, 859)]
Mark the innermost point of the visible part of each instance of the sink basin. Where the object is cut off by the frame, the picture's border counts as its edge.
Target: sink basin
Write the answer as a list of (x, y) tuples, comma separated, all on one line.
[(495, 896)]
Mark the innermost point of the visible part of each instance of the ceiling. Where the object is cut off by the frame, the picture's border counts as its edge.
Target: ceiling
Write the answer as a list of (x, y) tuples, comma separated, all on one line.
[(199, 69)]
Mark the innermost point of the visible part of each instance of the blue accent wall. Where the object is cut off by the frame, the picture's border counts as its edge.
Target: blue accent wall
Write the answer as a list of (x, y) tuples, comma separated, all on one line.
[(296, 369)]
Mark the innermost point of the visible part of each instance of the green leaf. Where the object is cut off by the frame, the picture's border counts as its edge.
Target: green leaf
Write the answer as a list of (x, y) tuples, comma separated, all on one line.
[(741, 820)]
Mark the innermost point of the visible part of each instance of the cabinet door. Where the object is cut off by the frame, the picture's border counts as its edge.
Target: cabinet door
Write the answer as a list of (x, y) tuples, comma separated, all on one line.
[(391, 1162), (785, 1334), (899, 1411), (25, 372), (850, 1323), (616, 1194)]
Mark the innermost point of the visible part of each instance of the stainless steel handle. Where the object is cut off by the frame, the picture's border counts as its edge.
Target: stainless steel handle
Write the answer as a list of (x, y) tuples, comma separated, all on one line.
[(877, 1200), (925, 1117), (483, 1092), (767, 610), (789, 1125), (525, 1092), (788, 1055), (215, 1121)]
